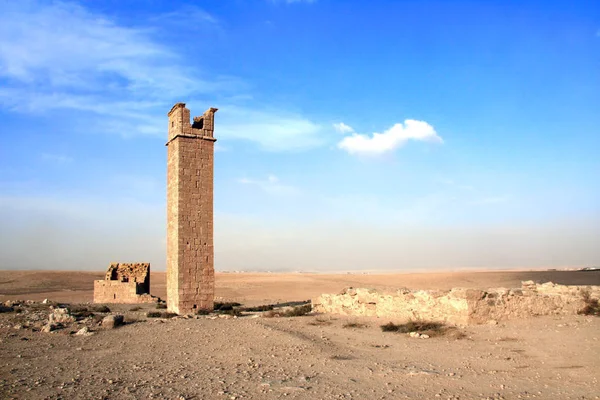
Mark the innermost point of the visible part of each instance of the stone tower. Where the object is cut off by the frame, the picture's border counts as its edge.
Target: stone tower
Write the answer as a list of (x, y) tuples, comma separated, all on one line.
[(190, 253)]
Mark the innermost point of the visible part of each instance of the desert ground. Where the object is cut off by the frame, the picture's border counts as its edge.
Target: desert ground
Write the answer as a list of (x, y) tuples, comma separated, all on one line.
[(305, 357)]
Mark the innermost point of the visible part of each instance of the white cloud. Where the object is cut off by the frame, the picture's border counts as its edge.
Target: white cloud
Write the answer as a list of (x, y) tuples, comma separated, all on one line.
[(393, 138), (59, 55), (272, 130), (343, 128), (271, 185)]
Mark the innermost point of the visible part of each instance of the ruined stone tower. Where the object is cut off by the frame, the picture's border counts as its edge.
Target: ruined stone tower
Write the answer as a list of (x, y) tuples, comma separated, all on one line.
[(190, 254)]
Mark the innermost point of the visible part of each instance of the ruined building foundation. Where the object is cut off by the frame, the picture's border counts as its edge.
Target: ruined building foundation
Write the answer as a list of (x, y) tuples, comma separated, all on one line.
[(124, 283), (459, 306), (190, 253)]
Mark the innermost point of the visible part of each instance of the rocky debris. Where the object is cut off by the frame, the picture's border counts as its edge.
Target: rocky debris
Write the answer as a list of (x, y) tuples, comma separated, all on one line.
[(112, 321), (85, 331), (61, 316), (460, 306), (45, 301), (49, 328), (418, 335)]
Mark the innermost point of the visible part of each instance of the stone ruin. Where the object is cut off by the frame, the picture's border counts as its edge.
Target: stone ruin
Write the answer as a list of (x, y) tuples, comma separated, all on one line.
[(190, 249), (124, 283), (459, 306)]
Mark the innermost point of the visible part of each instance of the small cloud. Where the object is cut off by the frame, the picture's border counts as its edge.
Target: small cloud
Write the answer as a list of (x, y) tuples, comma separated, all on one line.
[(393, 138), (56, 158), (343, 128), (271, 185)]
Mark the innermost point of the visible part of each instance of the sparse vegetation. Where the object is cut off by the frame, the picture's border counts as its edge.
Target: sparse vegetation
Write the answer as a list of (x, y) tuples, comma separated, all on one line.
[(430, 328), (202, 312), (161, 306), (159, 314), (136, 308), (354, 325), (266, 307), (320, 322), (219, 306), (101, 309), (297, 311), (592, 306)]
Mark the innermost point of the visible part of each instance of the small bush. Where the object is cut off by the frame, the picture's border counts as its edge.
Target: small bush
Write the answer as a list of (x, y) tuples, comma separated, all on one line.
[(4, 309), (225, 306), (592, 307), (101, 308), (267, 307), (354, 325), (161, 306), (136, 308), (293, 312), (158, 314), (320, 322), (202, 312), (426, 327)]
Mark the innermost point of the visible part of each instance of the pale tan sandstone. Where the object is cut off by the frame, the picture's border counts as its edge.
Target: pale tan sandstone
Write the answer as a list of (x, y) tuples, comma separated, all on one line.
[(459, 306), (124, 283), (190, 252)]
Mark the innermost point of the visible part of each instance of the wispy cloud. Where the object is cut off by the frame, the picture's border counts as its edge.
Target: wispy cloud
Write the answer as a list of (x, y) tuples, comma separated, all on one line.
[(342, 128), (271, 185), (59, 55), (271, 129), (390, 140)]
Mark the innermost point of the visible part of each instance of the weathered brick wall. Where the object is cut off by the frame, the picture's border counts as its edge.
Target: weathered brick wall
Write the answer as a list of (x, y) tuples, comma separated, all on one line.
[(131, 272), (458, 306), (190, 252), (106, 291)]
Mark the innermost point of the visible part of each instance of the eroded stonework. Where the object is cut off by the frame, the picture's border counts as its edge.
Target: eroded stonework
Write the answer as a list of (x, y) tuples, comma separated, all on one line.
[(459, 306), (190, 253), (124, 283)]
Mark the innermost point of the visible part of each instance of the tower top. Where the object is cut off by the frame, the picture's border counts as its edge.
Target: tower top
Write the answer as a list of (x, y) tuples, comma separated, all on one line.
[(180, 125)]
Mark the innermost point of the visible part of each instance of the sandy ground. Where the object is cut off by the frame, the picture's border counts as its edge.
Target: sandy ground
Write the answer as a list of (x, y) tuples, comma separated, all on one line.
[(261, 288), (309, 357)]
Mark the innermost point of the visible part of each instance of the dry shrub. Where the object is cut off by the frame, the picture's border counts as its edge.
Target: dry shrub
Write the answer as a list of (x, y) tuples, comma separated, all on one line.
[(161, 306), (354, 325), (430, 328), (158, 314), (289, 312), (4, 309), (100, 308), (136, 308), (267, 307), (592, 307), (219, 306), (320, 322)]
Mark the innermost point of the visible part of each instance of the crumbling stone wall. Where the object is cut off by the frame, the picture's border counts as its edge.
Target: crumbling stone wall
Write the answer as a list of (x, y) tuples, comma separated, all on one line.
[(190, 252), (458, 306), (124, 283)]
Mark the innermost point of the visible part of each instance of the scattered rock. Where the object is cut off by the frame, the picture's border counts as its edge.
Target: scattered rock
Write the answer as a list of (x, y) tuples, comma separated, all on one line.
[(112, 321), (84, 332), (61, 316), (48, 328), (45, 301)]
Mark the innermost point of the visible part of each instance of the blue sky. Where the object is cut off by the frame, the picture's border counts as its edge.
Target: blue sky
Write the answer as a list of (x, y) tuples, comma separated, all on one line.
[(385, 135)]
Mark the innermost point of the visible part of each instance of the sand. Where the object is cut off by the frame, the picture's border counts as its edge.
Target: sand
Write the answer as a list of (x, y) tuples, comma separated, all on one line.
[(309, 357)]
